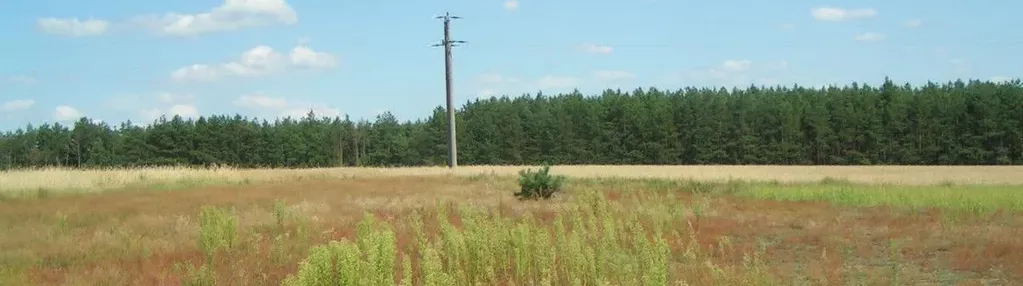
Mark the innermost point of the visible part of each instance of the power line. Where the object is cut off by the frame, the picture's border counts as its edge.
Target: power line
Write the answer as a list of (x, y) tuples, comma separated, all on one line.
[(787, 43), (448, 43)]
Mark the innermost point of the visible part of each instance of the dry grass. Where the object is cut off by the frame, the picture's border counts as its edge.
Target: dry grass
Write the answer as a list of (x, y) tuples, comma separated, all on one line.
[(150, 238), (86, 181), (920, 225)]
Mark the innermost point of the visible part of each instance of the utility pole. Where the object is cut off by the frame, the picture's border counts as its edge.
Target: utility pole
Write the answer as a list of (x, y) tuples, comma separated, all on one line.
[(448, 43), (341, 147)]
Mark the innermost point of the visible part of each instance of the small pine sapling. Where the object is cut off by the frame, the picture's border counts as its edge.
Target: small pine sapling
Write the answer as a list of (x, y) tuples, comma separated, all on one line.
[(538, 184)]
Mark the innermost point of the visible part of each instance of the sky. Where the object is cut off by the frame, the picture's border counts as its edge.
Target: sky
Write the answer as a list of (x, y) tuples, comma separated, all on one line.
[(114, 61)]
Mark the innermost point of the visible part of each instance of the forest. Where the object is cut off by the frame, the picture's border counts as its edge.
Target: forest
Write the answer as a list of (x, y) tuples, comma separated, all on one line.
[(953, 123)]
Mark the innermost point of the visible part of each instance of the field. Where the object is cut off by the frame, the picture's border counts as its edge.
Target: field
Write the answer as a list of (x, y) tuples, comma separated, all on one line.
[(621, 225)]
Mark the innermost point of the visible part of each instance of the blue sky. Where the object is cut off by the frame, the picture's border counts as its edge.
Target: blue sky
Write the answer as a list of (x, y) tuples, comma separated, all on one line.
[(120, 60)]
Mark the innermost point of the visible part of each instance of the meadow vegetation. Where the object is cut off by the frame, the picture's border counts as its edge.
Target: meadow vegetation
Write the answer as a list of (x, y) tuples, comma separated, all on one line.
[(426, 227)]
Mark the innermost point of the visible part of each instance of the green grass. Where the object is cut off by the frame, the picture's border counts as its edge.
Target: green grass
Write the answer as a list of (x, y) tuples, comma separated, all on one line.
[(977, 199)]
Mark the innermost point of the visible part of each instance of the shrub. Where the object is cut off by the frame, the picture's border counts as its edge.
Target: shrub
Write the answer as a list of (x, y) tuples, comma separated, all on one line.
[(538, 184)]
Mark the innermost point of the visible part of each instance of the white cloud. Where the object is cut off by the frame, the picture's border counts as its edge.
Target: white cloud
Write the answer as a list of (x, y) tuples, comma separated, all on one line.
[(257, 61), (728, 72), (72, 26), (170, 98), (840, 14), (557, 82), (493, 81), (229, 16), (612, 75), (869, 37), (23, 79), (914, 23), (494, 78), (960, 65), (1000, 79), (259, 101), (511, 4), (284, 108), (66, 113), (303, 56), (18, 104), (486, 93), (196, 72), (319, 109), (736, 65), (782, 65), (183, 110), (596, 49)]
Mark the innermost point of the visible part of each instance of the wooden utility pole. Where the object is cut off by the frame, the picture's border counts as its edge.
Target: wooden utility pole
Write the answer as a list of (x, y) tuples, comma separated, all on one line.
[(341, 147), (448, 43)]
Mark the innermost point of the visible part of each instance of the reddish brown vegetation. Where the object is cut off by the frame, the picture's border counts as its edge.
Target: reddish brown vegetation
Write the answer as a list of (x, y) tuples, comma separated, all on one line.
[(824, 243)]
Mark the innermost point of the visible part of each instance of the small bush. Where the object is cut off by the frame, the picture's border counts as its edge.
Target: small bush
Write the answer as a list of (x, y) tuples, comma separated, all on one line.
[(538, 184)]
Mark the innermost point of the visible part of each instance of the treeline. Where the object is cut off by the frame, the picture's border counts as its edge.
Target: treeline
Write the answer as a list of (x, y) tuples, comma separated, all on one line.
[(954, 123)]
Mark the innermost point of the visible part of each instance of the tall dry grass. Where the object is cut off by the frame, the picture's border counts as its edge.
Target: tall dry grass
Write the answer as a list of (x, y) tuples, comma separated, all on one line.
[(85, 181)]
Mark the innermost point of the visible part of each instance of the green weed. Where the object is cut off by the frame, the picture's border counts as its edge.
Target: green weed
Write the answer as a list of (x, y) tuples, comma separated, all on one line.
[(218, 229)]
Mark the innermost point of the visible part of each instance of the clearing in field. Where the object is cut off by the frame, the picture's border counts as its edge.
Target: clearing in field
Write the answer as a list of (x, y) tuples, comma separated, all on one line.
[(379, 228)]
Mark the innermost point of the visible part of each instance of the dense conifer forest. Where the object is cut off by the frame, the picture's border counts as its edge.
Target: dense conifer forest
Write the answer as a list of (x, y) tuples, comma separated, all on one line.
[(954, 123)]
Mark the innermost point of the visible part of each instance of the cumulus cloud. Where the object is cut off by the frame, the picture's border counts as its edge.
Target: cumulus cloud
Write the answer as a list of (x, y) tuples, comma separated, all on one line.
[(494, 83), (736, 65), (72, 27), (511, 4), (960, 65), (229, 16), (304, 57), (494, 78), (735, 73), (595, 49), (259, 101), (66, 113), (913, 23), (183, 110), (171, 98), (869, 37), (486, 93), (1000, 79), (557, 82), (284, 108), (319, 109), (612, 75), (23, 79), (17, 104), (841, 14), (151, 105), (258, 61)]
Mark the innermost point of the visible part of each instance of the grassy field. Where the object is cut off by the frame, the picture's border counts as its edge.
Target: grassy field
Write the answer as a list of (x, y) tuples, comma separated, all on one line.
[(636, 225)]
